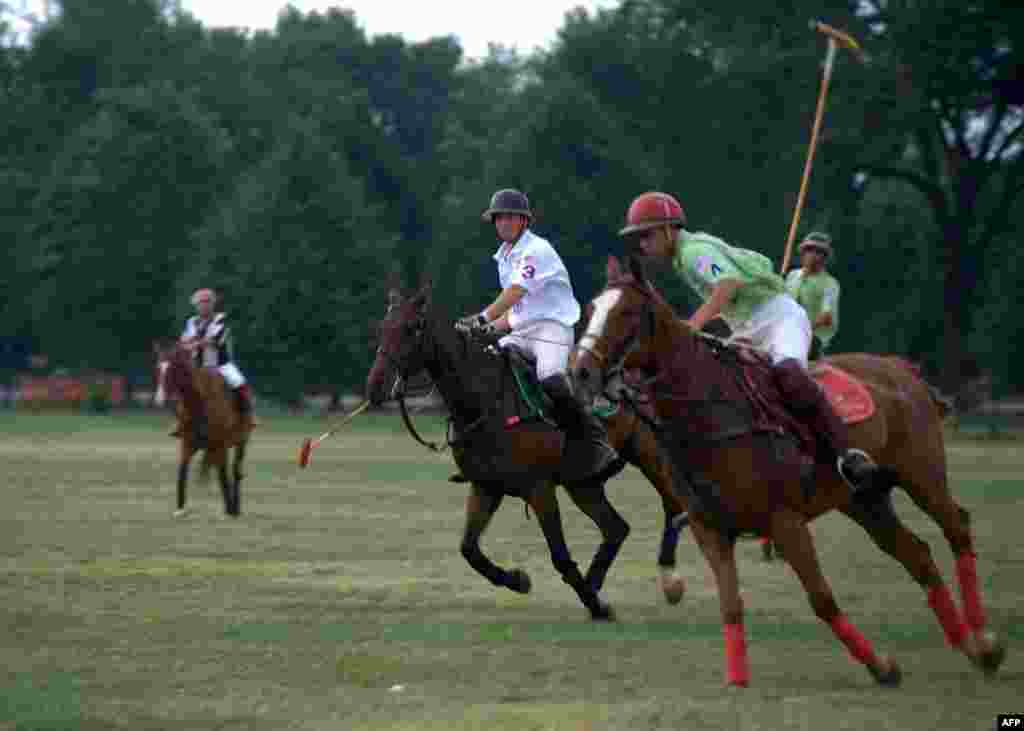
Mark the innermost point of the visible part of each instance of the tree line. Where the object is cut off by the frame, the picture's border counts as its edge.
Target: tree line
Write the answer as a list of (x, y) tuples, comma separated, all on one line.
[(299, 170)]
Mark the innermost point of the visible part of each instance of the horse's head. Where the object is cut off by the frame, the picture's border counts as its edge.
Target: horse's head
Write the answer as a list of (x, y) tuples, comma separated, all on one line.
[(621, 324), (173, 370), (400, 350)]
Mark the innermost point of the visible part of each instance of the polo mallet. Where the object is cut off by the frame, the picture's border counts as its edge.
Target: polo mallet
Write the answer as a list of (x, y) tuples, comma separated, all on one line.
[(309, 444), (836, 38)]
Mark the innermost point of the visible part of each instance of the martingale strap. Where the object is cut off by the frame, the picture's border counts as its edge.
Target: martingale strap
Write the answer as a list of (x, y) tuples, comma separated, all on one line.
[(432, 446)]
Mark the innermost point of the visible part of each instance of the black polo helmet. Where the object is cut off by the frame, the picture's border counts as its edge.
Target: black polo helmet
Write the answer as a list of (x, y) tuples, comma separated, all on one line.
[(508, 200)]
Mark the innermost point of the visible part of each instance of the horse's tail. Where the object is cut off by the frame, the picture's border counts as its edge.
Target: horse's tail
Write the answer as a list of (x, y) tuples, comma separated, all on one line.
[(945, 404)]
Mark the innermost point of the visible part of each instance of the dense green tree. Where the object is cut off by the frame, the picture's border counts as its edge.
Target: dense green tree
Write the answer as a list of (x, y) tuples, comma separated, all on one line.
[(298, 169)]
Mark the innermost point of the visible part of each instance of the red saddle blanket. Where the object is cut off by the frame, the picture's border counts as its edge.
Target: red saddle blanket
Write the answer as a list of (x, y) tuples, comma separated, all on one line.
[(849, 397)]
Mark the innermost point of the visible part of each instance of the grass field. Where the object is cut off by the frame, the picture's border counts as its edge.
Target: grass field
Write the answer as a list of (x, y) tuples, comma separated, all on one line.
[(339, 600)]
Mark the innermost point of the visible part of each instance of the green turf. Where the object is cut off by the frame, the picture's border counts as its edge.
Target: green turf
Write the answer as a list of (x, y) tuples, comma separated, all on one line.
[(340, 601)]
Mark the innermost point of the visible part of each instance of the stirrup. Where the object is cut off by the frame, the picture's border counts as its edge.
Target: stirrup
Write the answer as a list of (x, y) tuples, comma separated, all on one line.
[(868, 464)]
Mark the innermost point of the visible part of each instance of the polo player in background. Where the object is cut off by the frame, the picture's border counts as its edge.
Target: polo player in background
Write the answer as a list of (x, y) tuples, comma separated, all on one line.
[(816, 290), (209, 337)]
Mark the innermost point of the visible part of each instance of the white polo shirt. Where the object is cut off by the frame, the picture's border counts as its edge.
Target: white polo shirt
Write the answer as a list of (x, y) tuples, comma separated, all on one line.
[(534, 265)]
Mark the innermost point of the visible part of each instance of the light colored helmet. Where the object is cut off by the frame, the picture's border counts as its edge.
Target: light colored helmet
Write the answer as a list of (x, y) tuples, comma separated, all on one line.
[(204, 294)]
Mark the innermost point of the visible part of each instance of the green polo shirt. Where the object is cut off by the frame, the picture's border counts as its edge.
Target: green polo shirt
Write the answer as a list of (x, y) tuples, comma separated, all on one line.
[(817, 293), (703, 260)]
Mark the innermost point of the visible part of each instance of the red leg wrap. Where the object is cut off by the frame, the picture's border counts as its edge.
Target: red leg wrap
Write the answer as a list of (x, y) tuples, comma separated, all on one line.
[(941, 601), (967, 573), (858, 645), (736, 668)]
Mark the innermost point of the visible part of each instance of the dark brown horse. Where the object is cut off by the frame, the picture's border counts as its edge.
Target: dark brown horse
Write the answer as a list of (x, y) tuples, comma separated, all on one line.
[(502, 457), (204, 389), (748, 473)]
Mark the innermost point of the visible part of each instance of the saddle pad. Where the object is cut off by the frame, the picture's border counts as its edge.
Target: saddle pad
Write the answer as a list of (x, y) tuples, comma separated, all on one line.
[(849, 397)]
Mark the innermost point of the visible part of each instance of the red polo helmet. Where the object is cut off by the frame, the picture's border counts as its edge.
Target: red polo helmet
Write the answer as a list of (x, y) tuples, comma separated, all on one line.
[(651, 210)]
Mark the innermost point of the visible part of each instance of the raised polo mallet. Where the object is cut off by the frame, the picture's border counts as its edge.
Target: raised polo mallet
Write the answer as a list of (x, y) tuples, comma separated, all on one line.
[(309, 444), (836, 38)]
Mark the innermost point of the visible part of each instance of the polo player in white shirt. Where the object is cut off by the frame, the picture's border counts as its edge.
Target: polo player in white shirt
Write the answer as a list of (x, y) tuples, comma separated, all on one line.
[(538, 309)]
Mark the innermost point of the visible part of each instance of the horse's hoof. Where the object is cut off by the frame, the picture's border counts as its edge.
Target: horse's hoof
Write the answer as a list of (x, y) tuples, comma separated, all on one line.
[(180, 513), (990, 659), (672, 585), (681, 521), (888, 675), (603, 612), (519, 581)]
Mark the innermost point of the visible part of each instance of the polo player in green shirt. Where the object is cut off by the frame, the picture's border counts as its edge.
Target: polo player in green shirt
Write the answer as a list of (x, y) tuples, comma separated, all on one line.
[(741, 286), (816, 290)]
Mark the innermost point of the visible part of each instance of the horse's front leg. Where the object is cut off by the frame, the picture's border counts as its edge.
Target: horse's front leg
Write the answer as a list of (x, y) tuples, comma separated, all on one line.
[(228, 488), (237, 474), (720, 553), (545, 504), (185, 453), (642, 450), (481, 505), (590, 497)]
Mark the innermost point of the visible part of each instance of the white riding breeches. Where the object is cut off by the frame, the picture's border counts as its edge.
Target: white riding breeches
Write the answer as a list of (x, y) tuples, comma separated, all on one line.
[(548, 341), (232, 375), (780, 328)]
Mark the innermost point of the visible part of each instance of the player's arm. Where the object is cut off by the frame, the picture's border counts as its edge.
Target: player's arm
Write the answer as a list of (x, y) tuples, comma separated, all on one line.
[(724, 290), (828, 303), (508, 297), (188, 336)]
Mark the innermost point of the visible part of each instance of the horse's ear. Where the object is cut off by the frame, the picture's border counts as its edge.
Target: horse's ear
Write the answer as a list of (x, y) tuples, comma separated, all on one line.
[(613, 269), (424, 296)]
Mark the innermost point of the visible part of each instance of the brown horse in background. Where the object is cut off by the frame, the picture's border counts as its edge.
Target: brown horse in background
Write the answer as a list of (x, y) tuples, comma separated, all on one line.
[(205, 389), (748, 475)]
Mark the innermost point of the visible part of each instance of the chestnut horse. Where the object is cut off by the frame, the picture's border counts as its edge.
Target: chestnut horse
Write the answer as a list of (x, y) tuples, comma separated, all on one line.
[(500, 457), (748, 475), (204, 388)]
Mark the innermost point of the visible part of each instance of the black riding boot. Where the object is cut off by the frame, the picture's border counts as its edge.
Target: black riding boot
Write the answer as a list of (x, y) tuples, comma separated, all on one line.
[(587, 452), (808, 401)]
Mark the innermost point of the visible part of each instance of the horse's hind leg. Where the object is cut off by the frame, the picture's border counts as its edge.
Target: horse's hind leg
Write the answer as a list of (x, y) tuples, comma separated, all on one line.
[(791, 533), (590, 497), (236, 465), (237, 475), (184, 457), (545, 504), (227, 488), (926, 484), (480, 508), (669, 580), (642, 451), (891, 535)]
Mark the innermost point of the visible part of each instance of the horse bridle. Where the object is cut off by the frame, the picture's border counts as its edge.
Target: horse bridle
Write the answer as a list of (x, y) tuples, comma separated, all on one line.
[(398, 390), (617, 368)]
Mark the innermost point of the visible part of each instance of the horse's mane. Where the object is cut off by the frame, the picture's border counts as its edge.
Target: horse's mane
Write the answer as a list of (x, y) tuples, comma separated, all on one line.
[(478, 368), (443, 324), (636, 276)]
